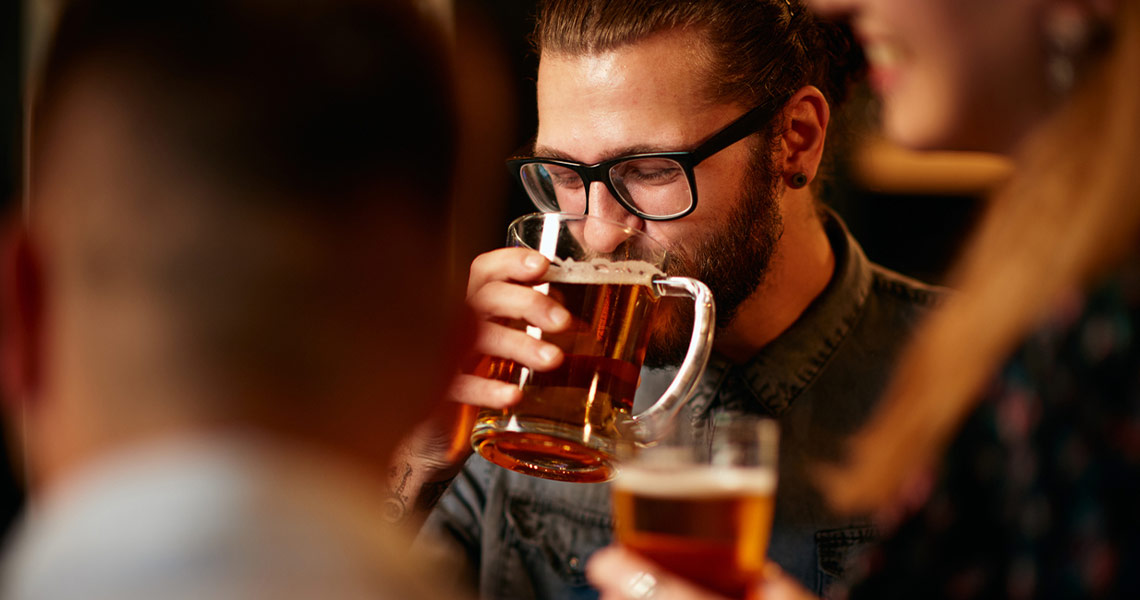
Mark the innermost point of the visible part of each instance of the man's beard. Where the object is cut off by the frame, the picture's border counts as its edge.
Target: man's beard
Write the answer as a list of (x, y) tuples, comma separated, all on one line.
[(732, 262)]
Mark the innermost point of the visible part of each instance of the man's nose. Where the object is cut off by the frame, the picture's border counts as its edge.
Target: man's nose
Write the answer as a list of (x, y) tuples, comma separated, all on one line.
[(601, 203), (601, 236)]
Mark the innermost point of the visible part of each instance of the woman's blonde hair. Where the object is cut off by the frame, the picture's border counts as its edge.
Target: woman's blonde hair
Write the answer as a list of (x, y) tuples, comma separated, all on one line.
[(1070, 212)]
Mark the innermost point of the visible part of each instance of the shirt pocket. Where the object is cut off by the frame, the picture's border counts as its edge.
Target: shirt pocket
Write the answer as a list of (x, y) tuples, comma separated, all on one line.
[(835, 549), (555, 537)]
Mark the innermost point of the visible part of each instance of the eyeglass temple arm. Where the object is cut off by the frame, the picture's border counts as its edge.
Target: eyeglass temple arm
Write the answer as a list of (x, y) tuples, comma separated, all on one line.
[(748, 123)]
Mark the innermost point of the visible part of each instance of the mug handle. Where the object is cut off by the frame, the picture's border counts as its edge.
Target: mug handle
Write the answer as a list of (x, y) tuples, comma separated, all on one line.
[(653, 421)]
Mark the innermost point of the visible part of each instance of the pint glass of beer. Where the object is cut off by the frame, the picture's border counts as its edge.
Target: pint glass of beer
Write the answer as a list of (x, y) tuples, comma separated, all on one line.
[(611, 279), (702, 511)]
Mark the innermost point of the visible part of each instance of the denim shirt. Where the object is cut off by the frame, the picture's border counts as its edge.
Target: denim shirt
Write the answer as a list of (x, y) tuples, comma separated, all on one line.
[(524, 537)]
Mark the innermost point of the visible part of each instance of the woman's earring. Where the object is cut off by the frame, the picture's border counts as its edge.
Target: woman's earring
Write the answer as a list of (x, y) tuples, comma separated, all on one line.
[(798, 180)]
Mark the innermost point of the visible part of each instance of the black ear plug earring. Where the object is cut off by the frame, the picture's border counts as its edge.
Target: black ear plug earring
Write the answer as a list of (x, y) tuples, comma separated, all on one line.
[(798, 180)]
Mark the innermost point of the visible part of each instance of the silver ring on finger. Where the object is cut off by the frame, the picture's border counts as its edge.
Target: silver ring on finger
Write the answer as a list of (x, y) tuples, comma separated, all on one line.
[(642, 586)]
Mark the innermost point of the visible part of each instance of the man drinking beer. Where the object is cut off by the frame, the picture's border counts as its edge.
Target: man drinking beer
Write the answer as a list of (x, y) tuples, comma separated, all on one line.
[(807, 327)]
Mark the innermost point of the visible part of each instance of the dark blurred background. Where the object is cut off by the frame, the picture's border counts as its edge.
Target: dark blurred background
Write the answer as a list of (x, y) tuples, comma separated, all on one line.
[(10, 143)]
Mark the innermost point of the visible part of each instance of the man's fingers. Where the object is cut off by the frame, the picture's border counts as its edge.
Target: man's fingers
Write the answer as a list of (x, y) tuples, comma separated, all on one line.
[(499, 299), (521, 265), (499, 290), (623, 575), (777, 585), (488, 393), (504, 342)]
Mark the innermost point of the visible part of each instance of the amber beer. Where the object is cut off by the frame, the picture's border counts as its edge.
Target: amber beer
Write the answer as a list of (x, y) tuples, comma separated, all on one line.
[(566, 425), (708, 524)]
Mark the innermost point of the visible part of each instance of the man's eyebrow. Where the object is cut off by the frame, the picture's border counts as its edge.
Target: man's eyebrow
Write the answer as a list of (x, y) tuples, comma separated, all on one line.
[(548, 152)]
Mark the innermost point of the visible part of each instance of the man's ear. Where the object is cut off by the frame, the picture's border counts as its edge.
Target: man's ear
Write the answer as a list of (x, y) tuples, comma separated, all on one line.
[(806, 117), (21, 314)]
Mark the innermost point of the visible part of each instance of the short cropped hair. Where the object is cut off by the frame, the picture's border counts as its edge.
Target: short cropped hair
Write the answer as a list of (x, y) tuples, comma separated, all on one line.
[(299, 96), (313, 141)]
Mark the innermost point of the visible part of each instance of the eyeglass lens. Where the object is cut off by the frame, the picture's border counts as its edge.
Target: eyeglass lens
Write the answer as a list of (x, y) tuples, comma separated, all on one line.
[(655, 186)]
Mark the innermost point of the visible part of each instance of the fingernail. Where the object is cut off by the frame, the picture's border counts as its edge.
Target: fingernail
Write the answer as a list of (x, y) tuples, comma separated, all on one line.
[(548, 353), (559, 316), (534, 261)]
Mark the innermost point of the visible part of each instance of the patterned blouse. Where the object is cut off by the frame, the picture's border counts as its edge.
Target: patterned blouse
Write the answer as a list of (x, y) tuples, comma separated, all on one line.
[(1039, 494)]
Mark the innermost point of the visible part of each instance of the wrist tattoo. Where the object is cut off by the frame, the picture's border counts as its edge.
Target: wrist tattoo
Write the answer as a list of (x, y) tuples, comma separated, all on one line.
[(406, 496)]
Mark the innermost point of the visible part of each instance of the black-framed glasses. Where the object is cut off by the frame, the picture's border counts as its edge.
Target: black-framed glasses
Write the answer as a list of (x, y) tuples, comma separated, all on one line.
[(655, 186)]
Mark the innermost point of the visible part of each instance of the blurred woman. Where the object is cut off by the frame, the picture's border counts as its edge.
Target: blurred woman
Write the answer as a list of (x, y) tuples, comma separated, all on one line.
[(1005, 458)]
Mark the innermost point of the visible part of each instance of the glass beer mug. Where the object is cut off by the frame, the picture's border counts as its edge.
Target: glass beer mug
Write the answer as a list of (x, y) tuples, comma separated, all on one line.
[(700, 509), (611, 279)]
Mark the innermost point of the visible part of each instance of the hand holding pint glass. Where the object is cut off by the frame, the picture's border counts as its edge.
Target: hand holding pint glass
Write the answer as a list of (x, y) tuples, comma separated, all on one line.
[(610, 278), (699, 510)]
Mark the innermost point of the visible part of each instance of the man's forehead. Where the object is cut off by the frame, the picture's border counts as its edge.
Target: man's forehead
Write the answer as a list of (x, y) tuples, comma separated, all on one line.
[(644, 97), (668, 66), (604, 154)]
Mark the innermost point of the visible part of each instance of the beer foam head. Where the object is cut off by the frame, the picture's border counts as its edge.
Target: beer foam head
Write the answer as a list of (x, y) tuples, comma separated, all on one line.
[(601, 270), (696, 482)]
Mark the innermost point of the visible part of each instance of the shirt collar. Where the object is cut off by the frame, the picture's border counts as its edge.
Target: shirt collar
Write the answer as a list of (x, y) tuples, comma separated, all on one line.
[(782, 369)]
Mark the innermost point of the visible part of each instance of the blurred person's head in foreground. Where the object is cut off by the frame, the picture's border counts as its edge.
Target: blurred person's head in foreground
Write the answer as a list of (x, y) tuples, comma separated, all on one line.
[(1053, 84), (234, 226)]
